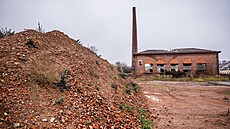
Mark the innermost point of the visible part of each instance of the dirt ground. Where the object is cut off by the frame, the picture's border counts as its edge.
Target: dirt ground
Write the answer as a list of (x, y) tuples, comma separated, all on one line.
[(188, 105)]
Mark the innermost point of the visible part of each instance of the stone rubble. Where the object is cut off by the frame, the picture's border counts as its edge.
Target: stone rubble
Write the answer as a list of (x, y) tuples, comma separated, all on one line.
[(28, 98)]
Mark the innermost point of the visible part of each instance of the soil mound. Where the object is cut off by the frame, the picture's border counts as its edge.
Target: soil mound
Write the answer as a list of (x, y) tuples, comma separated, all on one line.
[(48, 80)]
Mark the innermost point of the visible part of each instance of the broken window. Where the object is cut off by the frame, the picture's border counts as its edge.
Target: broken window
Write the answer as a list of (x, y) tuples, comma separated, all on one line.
[(148, 66), (161, 68), (174, 67)]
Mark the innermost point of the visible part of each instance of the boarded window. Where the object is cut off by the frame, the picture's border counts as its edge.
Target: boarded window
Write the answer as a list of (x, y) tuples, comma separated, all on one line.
[(187, 67), (201, 68)]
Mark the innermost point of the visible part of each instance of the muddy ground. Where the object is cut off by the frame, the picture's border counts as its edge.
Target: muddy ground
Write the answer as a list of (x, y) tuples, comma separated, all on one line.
[(188, 105)]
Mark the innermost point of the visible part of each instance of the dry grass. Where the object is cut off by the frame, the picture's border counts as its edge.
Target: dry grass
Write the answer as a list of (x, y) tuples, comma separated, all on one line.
[(167, 78), (44, 69)]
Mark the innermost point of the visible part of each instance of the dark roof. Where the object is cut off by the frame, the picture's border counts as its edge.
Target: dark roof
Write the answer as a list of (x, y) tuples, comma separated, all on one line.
[(177, 51)]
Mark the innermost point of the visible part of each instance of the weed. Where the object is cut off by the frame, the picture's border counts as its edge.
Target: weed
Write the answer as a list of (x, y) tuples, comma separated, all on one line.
[(120, 107), (146, 126), (145, 123), (128, 91), (114, 86), (31, 44), (97, 88), (60, 100), (135, 86), (136, 89), (128, 108), (123, 75), (62, 84), (141, 110)]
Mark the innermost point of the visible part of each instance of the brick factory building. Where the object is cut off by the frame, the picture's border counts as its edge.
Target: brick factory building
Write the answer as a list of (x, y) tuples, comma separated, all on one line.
[(190, 61)]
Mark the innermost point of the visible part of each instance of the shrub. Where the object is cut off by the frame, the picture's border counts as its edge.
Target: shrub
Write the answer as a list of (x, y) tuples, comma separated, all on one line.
[(31, 44), (62, 84), (5, 32), (124, 75)]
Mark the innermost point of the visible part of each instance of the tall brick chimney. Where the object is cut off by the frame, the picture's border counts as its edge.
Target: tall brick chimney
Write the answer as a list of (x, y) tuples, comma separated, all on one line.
[(134, 40)]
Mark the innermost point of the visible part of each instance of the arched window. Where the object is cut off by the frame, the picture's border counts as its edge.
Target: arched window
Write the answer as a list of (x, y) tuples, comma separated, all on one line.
[(187, 65), (161, 66), (201, 66), (174, 65), (148, 66), (140, 62)]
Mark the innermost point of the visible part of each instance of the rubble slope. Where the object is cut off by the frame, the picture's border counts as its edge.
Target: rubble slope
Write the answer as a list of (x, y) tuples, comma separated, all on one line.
[(97, 96)]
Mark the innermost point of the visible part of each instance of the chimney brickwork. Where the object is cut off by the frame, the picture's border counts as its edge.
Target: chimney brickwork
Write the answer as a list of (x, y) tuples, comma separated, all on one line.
[(134, 39)]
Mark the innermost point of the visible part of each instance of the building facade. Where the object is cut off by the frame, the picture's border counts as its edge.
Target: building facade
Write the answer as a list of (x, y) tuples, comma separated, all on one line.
[(187, 60), (190, 61)]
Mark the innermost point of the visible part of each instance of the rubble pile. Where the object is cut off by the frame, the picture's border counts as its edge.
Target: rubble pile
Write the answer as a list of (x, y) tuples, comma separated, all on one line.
[(94, 95)]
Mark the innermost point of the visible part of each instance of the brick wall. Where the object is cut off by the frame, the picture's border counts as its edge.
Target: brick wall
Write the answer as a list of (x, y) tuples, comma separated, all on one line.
[(211, 60)]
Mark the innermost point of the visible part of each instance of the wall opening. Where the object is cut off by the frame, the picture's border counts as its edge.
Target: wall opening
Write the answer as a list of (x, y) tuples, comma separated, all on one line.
[(148, 66), (174, 67), (161, 66), (201, 68), (187, 67)]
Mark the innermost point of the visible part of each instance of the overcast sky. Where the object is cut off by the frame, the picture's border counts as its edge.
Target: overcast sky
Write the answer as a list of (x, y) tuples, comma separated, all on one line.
[(106, 24)]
